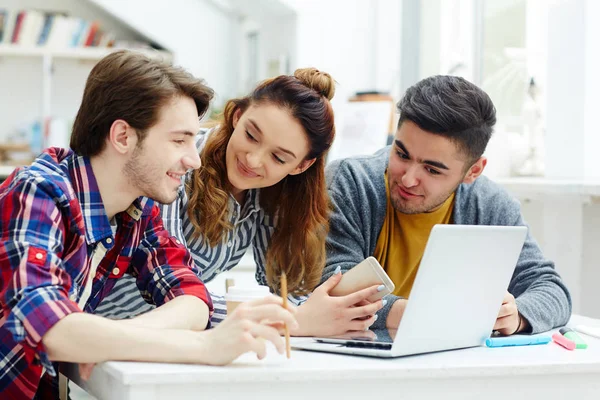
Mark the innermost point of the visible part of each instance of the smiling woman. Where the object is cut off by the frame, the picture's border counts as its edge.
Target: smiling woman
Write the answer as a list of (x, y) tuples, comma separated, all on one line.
[(261, 185), (274, 140)]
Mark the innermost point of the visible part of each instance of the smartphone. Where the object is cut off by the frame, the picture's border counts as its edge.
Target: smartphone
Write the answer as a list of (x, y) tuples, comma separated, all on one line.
[(363, 275)]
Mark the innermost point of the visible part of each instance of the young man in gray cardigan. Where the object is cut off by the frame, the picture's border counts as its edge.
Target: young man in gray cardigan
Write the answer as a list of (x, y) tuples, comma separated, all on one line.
[(385, 205)]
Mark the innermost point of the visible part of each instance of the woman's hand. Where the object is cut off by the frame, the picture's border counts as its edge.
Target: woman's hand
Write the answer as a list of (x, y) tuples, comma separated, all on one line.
[(325, 315)]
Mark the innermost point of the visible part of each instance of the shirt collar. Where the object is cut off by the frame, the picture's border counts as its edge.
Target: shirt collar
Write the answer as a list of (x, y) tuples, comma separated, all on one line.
[(97, 225), (251, 203)]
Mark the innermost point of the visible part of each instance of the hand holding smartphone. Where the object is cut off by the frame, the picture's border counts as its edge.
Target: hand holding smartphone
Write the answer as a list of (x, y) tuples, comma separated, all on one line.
[(363, 275)]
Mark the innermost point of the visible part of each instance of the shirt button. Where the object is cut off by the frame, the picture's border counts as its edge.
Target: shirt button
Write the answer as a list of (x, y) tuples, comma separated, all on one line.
[(109, 240), (116, 271), (39, 256), (229, 244)]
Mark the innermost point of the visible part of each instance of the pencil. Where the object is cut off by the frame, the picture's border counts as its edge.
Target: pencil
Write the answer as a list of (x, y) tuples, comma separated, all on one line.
[(285, 327)]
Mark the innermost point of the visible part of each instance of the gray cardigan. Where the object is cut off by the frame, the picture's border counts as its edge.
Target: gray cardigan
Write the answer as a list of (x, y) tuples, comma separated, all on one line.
[(358, 194)]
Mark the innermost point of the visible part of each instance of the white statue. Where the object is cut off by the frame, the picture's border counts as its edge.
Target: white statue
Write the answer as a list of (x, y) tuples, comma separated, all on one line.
[(533, 133)]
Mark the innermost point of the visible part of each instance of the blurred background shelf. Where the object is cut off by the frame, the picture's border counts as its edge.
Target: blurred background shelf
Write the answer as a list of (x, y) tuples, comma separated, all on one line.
[(534, 187), (79, 53), (47, 49)]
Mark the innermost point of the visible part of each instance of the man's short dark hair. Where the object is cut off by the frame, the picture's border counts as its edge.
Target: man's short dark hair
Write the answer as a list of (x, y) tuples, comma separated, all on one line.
[(452, 107)]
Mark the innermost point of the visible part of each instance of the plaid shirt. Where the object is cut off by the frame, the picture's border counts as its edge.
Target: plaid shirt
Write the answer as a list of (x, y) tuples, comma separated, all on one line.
[(58, 256)]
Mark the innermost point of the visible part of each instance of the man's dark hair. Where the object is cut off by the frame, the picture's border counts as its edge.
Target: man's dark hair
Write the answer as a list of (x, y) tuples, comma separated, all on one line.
[(452, 107)]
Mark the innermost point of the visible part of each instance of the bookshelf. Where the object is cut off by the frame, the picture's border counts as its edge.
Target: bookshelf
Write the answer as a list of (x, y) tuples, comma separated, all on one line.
[(47, 49), (79, 53), (50, 88)]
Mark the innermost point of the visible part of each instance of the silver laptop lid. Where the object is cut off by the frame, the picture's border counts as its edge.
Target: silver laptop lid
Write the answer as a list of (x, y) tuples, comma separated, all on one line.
[(461, 282), (463, 276)]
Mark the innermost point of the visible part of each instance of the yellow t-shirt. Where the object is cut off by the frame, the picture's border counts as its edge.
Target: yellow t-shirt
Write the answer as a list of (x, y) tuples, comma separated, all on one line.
[(402, 241)]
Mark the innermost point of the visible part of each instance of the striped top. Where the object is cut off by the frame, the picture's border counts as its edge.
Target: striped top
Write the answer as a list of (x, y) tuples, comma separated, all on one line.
[(252, 228)]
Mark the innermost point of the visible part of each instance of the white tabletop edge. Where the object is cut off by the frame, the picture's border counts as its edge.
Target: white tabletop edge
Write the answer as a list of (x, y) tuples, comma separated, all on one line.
[(314, 366)]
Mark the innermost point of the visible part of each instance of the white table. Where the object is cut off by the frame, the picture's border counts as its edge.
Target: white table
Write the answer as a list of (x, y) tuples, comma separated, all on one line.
[(526, 372)]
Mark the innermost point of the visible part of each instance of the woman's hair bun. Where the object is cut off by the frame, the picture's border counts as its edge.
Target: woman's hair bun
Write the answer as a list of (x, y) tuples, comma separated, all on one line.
[(317, 80)]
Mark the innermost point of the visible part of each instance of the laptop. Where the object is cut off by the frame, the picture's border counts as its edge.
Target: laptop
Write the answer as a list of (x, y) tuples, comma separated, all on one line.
[(455, 299)]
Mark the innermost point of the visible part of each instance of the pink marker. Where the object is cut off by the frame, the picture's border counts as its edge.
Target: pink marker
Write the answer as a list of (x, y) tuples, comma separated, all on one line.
[(563, 341)]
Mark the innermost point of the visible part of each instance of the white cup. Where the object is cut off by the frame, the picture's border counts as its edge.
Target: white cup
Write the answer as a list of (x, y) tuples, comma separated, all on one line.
[(239, 294)]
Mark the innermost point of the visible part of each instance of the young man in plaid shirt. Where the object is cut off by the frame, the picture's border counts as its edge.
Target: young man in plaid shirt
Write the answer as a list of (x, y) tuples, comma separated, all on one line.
[(76, 220)]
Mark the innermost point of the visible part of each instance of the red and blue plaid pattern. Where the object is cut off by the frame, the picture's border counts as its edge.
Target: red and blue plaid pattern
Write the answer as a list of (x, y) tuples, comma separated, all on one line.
[(52, 219)]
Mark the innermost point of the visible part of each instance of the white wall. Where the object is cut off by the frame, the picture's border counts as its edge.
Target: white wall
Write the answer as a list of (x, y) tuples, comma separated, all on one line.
[(341, 38), (566, 80), (572, 137), (331, 38), (275, 23), (207, 36), (203, 36), (432, 23), (591, 125), (387, 39), (447, 38), (358, 43), (277, 40), (536, 32)]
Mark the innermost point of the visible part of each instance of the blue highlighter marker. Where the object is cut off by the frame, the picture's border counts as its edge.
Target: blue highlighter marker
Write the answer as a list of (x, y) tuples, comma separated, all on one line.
[(520, 340)]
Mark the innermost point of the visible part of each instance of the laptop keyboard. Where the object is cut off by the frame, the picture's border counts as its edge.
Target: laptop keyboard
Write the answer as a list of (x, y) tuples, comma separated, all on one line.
[(370, 345)]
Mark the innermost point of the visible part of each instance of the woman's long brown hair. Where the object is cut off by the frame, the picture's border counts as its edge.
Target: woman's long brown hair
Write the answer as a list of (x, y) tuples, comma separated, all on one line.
[(298, 203)]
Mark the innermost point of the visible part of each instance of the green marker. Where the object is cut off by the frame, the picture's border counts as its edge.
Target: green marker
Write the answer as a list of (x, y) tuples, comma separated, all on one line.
[(572, 335)]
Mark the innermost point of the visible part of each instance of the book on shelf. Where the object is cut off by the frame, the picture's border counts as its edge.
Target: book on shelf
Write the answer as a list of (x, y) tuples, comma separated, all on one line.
[(56, 30), (3, 22)]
